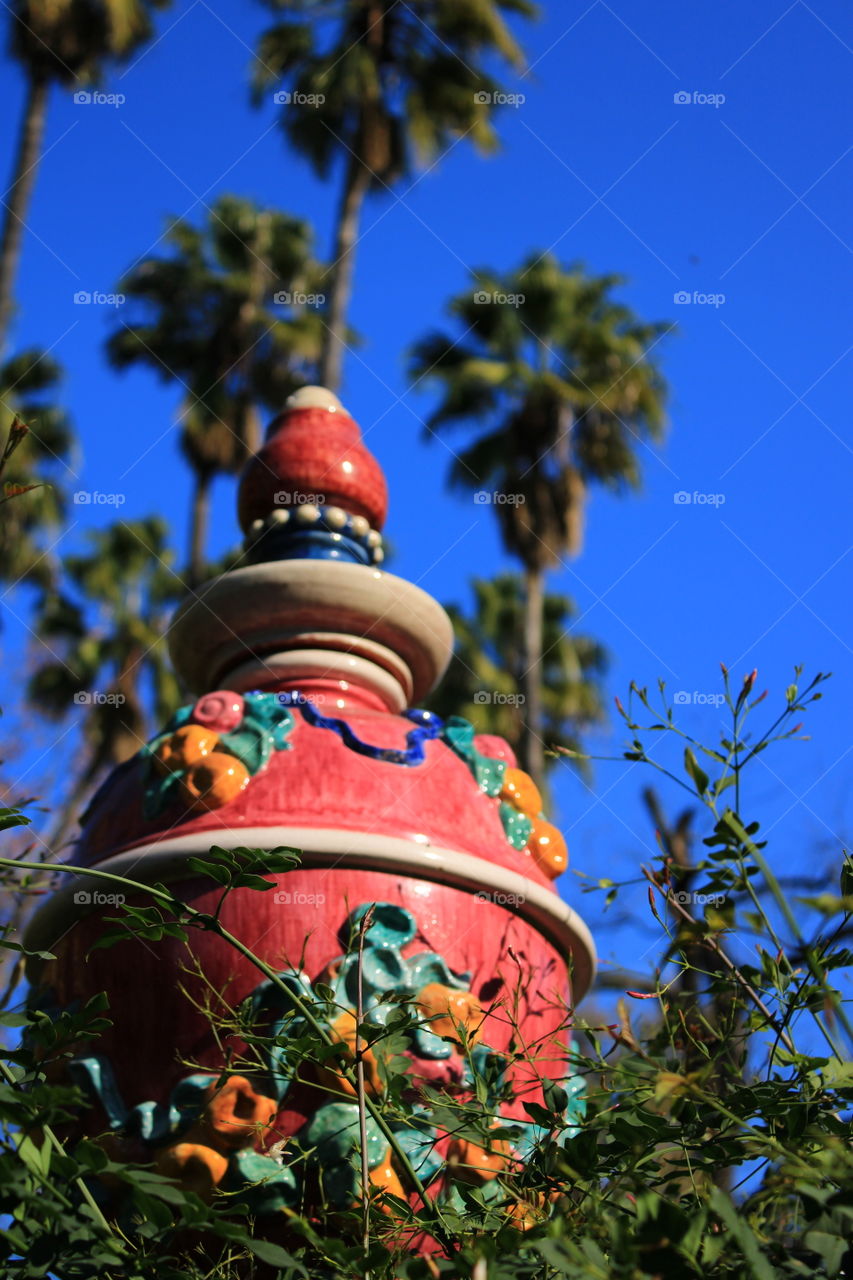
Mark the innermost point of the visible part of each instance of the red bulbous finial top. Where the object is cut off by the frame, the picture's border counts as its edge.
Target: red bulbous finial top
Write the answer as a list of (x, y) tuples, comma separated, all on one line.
[(313, 454)]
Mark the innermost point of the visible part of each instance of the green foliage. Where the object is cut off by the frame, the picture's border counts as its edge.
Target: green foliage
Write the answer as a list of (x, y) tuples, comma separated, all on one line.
[(390, 84), (69, 40), (35, 466), (206, 316), (685, 1165), (104, 627), (560, 381), (485, 679)]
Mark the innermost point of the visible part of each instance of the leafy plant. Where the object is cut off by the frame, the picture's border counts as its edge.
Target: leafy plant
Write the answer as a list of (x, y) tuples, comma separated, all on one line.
[(632, 1191)]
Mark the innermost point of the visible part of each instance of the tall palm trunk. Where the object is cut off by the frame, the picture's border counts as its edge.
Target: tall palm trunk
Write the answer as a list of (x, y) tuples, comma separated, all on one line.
[(340, 287), (199, 520), (20, 192), (532, 746)]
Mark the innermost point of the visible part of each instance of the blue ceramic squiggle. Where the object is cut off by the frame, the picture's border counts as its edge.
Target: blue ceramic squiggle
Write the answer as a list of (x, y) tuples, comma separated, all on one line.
[(429, 726)]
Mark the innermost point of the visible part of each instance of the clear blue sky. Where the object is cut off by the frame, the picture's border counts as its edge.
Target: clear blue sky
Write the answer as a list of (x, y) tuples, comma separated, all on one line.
[(744, 198)]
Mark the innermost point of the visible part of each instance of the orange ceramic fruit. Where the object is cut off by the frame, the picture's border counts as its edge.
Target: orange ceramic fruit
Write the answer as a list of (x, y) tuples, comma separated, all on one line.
[(385, 1181), (235, 1115), (525, 1215), (471, 1163), (547, 848), (196, 1167), (213, 781), (520, 790), (184, 747), (446, 1010), (345, 1028)]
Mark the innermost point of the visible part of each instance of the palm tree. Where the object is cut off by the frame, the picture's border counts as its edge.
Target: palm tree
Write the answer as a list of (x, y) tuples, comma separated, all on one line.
[(208, 318), (486, 674), (62, 42), (565, 381), (28, 384), (383, 86), (104, 628)]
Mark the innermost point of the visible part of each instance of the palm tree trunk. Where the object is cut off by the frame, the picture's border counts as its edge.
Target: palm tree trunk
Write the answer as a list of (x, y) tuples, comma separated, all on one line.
[(340, 288), (199, 520), (20, 192), (532, 746)]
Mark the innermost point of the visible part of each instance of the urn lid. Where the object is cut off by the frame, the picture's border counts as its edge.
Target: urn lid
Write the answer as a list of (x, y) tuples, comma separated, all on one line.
[(313, 490)]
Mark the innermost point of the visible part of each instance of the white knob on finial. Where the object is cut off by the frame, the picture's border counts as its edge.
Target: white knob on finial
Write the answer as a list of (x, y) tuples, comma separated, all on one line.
[(314, 398)]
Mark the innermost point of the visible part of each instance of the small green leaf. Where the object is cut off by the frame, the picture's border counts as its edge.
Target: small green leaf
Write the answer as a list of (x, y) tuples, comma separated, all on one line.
[(698, 776)]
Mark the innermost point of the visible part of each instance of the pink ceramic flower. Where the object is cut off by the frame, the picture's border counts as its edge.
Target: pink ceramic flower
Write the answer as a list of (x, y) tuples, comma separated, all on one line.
[(489, 744), (221, 710)]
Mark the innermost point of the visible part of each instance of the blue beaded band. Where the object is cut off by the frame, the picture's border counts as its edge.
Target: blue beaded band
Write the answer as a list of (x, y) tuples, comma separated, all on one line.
[(312, 532)]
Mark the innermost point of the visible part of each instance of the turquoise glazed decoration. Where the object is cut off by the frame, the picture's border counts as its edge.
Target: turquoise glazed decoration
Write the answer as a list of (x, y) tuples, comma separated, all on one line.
[(198, 1123), (489, 773), (423, 1008), (516, 825), (207, 752)]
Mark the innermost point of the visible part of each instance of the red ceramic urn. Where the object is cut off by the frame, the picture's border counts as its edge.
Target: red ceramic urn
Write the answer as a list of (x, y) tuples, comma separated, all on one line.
[(302, 670)]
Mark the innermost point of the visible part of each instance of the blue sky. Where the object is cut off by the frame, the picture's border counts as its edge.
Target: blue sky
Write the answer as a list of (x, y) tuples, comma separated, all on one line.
[(740, 192)]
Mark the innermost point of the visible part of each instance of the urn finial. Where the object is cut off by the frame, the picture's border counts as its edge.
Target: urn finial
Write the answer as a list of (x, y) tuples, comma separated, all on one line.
[(313, 491)]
